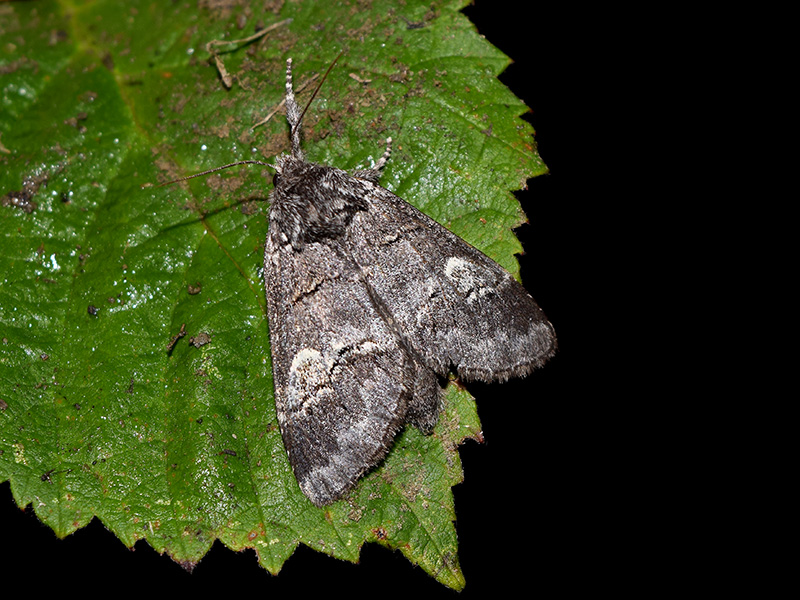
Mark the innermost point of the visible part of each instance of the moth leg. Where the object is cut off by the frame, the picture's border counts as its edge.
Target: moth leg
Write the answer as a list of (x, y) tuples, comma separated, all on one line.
[(386, 154), (374, 174)]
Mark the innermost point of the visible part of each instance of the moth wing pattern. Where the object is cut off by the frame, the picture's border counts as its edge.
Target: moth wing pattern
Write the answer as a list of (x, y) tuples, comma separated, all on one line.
[(344, 382), (456, 307)]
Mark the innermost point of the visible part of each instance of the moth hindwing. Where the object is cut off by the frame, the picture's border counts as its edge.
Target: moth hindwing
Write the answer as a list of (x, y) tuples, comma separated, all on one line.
[(369, 300)]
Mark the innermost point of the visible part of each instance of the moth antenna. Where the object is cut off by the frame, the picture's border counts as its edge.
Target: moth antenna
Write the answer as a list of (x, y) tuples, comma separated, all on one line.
[(214, 170), (293, 113), (319, 85)]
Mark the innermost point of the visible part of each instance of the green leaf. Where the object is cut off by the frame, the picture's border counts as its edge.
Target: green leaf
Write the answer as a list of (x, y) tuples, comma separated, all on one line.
[(100, 415)]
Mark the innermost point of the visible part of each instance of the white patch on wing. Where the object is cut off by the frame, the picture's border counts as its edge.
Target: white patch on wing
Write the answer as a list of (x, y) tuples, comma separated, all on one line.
[(309, 380), (468, 278)]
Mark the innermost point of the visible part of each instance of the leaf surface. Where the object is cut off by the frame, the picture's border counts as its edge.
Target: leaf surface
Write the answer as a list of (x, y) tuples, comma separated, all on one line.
[(100, 414)]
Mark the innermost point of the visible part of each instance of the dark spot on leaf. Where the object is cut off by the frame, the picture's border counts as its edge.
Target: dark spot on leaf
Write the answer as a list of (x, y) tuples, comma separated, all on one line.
[(23, 62), (56, 36), (88, 96), (201, 339), (194, 289), (92, 310), (401, 75), (413, 24), (22, 199), (248, 208), (77, 120)]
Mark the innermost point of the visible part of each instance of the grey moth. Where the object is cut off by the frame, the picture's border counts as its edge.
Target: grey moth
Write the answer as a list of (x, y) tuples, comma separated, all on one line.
[(370, 302)]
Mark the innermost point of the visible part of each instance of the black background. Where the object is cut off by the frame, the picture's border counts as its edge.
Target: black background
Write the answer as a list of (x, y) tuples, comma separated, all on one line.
[(527, 515)]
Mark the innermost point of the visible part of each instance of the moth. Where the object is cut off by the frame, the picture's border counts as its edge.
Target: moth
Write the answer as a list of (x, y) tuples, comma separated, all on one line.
[(369, 303)]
